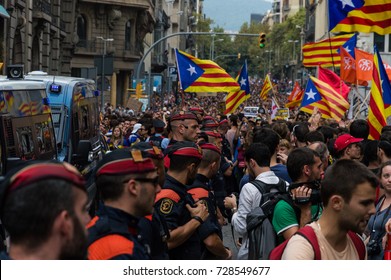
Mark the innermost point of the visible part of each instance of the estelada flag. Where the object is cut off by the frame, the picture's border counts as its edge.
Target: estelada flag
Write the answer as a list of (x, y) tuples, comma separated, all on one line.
[(361, 16), (364, 65), (198, 75)]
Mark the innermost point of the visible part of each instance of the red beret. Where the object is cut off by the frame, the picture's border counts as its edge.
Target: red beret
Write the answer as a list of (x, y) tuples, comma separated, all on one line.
[(213, 133), (33, 172), (183, 116), (210, 146), (124, 161), (150, 150), (225, 121), (196, 110), (185, 148)]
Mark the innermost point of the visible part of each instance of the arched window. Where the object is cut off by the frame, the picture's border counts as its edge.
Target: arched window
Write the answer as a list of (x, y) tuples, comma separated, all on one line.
[(128, 35), (82, 31)]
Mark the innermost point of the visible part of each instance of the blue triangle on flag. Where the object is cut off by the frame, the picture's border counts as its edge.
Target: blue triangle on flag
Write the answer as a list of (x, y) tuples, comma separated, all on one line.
[(188, 71), (311, 94)]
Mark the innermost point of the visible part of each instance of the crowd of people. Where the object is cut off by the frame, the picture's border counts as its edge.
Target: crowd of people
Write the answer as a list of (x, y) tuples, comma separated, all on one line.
[(176, 174)]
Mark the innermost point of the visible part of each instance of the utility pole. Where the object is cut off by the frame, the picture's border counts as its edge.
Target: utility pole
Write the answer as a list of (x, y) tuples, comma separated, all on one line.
[(103, 69)]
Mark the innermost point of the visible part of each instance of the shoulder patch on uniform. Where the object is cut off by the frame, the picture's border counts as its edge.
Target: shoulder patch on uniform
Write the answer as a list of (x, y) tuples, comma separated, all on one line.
[(166, 206)]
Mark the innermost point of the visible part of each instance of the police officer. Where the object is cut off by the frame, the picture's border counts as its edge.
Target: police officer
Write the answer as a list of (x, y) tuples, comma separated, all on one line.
[(210, 231), (157, 138), (44, 210), (182, 214), (127, 183)]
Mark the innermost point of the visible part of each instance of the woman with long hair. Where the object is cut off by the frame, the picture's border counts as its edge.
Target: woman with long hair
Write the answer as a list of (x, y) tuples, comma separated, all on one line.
[(116, 140)]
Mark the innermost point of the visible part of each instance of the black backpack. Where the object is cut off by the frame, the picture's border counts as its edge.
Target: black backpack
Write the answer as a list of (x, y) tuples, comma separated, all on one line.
[(262, 237)]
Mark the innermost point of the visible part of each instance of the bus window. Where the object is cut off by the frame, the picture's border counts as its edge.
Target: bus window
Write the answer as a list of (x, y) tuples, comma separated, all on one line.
[(44, 138), (85, 126), (25, 142)]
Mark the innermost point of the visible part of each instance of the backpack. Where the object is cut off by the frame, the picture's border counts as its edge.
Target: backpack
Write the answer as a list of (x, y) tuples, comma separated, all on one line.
[(262, 237), (308, 233)]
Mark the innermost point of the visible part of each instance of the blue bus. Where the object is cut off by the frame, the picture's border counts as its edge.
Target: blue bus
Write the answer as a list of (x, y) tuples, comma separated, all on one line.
[(75, 111)]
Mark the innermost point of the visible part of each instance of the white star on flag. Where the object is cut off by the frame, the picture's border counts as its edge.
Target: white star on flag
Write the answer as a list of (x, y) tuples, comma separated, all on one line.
[(347, 49), (192, 70), (310, 94), (243, 82), (347, 2)]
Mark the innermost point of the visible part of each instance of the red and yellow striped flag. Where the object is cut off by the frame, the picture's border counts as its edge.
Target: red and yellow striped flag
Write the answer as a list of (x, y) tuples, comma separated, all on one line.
[(331, 104), (197, 75), (267, 86), (379, 103), (372, 16), (324, 52)]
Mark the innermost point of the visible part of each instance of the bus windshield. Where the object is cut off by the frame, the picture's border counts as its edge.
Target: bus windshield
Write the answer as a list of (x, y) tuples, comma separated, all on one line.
[(21, 103)]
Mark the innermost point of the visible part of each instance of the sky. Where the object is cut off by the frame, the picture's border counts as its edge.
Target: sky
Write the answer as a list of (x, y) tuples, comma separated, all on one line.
[(231, 14)]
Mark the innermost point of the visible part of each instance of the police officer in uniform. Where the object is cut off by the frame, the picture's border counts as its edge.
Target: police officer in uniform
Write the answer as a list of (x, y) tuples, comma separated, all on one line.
[(210, 231), (128, 184), (182, 214)]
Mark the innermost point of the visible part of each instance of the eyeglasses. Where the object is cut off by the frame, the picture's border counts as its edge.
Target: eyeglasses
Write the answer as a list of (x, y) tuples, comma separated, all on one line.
[(154, 181), (195, 126)]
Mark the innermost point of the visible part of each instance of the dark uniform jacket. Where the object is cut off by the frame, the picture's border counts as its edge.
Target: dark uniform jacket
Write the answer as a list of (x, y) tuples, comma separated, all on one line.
[(171, 205), (112, 235)]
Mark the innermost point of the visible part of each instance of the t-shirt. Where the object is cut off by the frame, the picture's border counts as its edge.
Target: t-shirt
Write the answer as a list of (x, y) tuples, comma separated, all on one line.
[(298, 248), (284, 217)]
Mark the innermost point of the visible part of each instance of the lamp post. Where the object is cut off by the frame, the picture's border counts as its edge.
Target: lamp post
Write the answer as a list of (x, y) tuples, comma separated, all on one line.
[(212, 46), (294, 48), (270, 59), (103, 68)]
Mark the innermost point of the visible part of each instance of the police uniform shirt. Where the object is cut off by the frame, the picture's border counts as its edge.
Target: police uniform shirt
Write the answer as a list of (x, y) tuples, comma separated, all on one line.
[(112, 234), (171, 205)]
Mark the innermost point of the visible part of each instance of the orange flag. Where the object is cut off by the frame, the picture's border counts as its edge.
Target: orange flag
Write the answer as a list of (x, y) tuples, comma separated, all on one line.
[(348, 67), (296, 90), (388, 70), (364, 65), (295, 97)]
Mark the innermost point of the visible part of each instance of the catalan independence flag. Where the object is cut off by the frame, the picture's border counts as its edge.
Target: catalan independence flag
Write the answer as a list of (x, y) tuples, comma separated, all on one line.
[(360, 16), (267, 86), (324, 52), (323, 96), (380, 100), (196, 75), (234, 99)]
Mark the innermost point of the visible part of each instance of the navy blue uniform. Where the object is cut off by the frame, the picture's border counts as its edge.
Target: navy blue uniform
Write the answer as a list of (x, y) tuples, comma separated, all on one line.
[(171, 204), (112, 235), (200, 190)]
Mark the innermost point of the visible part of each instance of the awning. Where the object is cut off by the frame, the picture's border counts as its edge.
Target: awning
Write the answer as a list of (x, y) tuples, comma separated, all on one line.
[(3, 12)]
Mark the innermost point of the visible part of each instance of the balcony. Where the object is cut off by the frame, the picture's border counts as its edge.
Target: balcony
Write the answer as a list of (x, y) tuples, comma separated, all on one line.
[(42, 10)]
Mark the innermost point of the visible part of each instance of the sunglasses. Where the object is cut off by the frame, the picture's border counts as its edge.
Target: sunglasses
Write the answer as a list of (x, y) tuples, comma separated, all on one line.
[(154, 181)]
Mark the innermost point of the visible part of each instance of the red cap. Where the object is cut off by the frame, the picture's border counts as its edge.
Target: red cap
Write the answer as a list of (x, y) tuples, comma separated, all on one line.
[(196, 110), (210, 146), (345, 140), (182, 115), (213, 133)]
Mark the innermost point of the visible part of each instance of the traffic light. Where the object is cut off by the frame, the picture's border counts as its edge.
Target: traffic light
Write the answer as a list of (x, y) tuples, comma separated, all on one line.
[(139, 90), (262, 40), (238, 55)]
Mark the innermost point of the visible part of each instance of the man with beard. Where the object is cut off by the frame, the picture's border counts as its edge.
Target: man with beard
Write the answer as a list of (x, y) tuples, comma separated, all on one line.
[(348, 205), (257, 158), (305, 169), (127, 183), (182, 214), (44, 210)]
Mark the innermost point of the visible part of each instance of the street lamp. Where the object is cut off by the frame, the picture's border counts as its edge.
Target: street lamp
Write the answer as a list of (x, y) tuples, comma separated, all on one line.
[(212, 46), (294, 48), (270, 58), (103, 68)]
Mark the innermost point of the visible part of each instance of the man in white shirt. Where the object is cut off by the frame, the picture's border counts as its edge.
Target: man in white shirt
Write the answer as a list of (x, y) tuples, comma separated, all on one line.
[(257, 158)]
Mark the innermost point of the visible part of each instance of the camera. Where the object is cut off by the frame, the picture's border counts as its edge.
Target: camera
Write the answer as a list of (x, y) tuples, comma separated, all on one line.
[(315, 194), (373, 247)]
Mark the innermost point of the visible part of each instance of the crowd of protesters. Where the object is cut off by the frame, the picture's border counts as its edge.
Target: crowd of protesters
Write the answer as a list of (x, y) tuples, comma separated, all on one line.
[(179, 172)]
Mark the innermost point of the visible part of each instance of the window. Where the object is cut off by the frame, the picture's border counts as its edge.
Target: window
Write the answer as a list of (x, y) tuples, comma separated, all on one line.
[(379, 41), (128, 35), (82, 31)]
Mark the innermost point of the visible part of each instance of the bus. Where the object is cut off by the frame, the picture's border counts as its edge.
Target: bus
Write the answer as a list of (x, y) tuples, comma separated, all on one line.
[(26, 126), (75, 111)]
